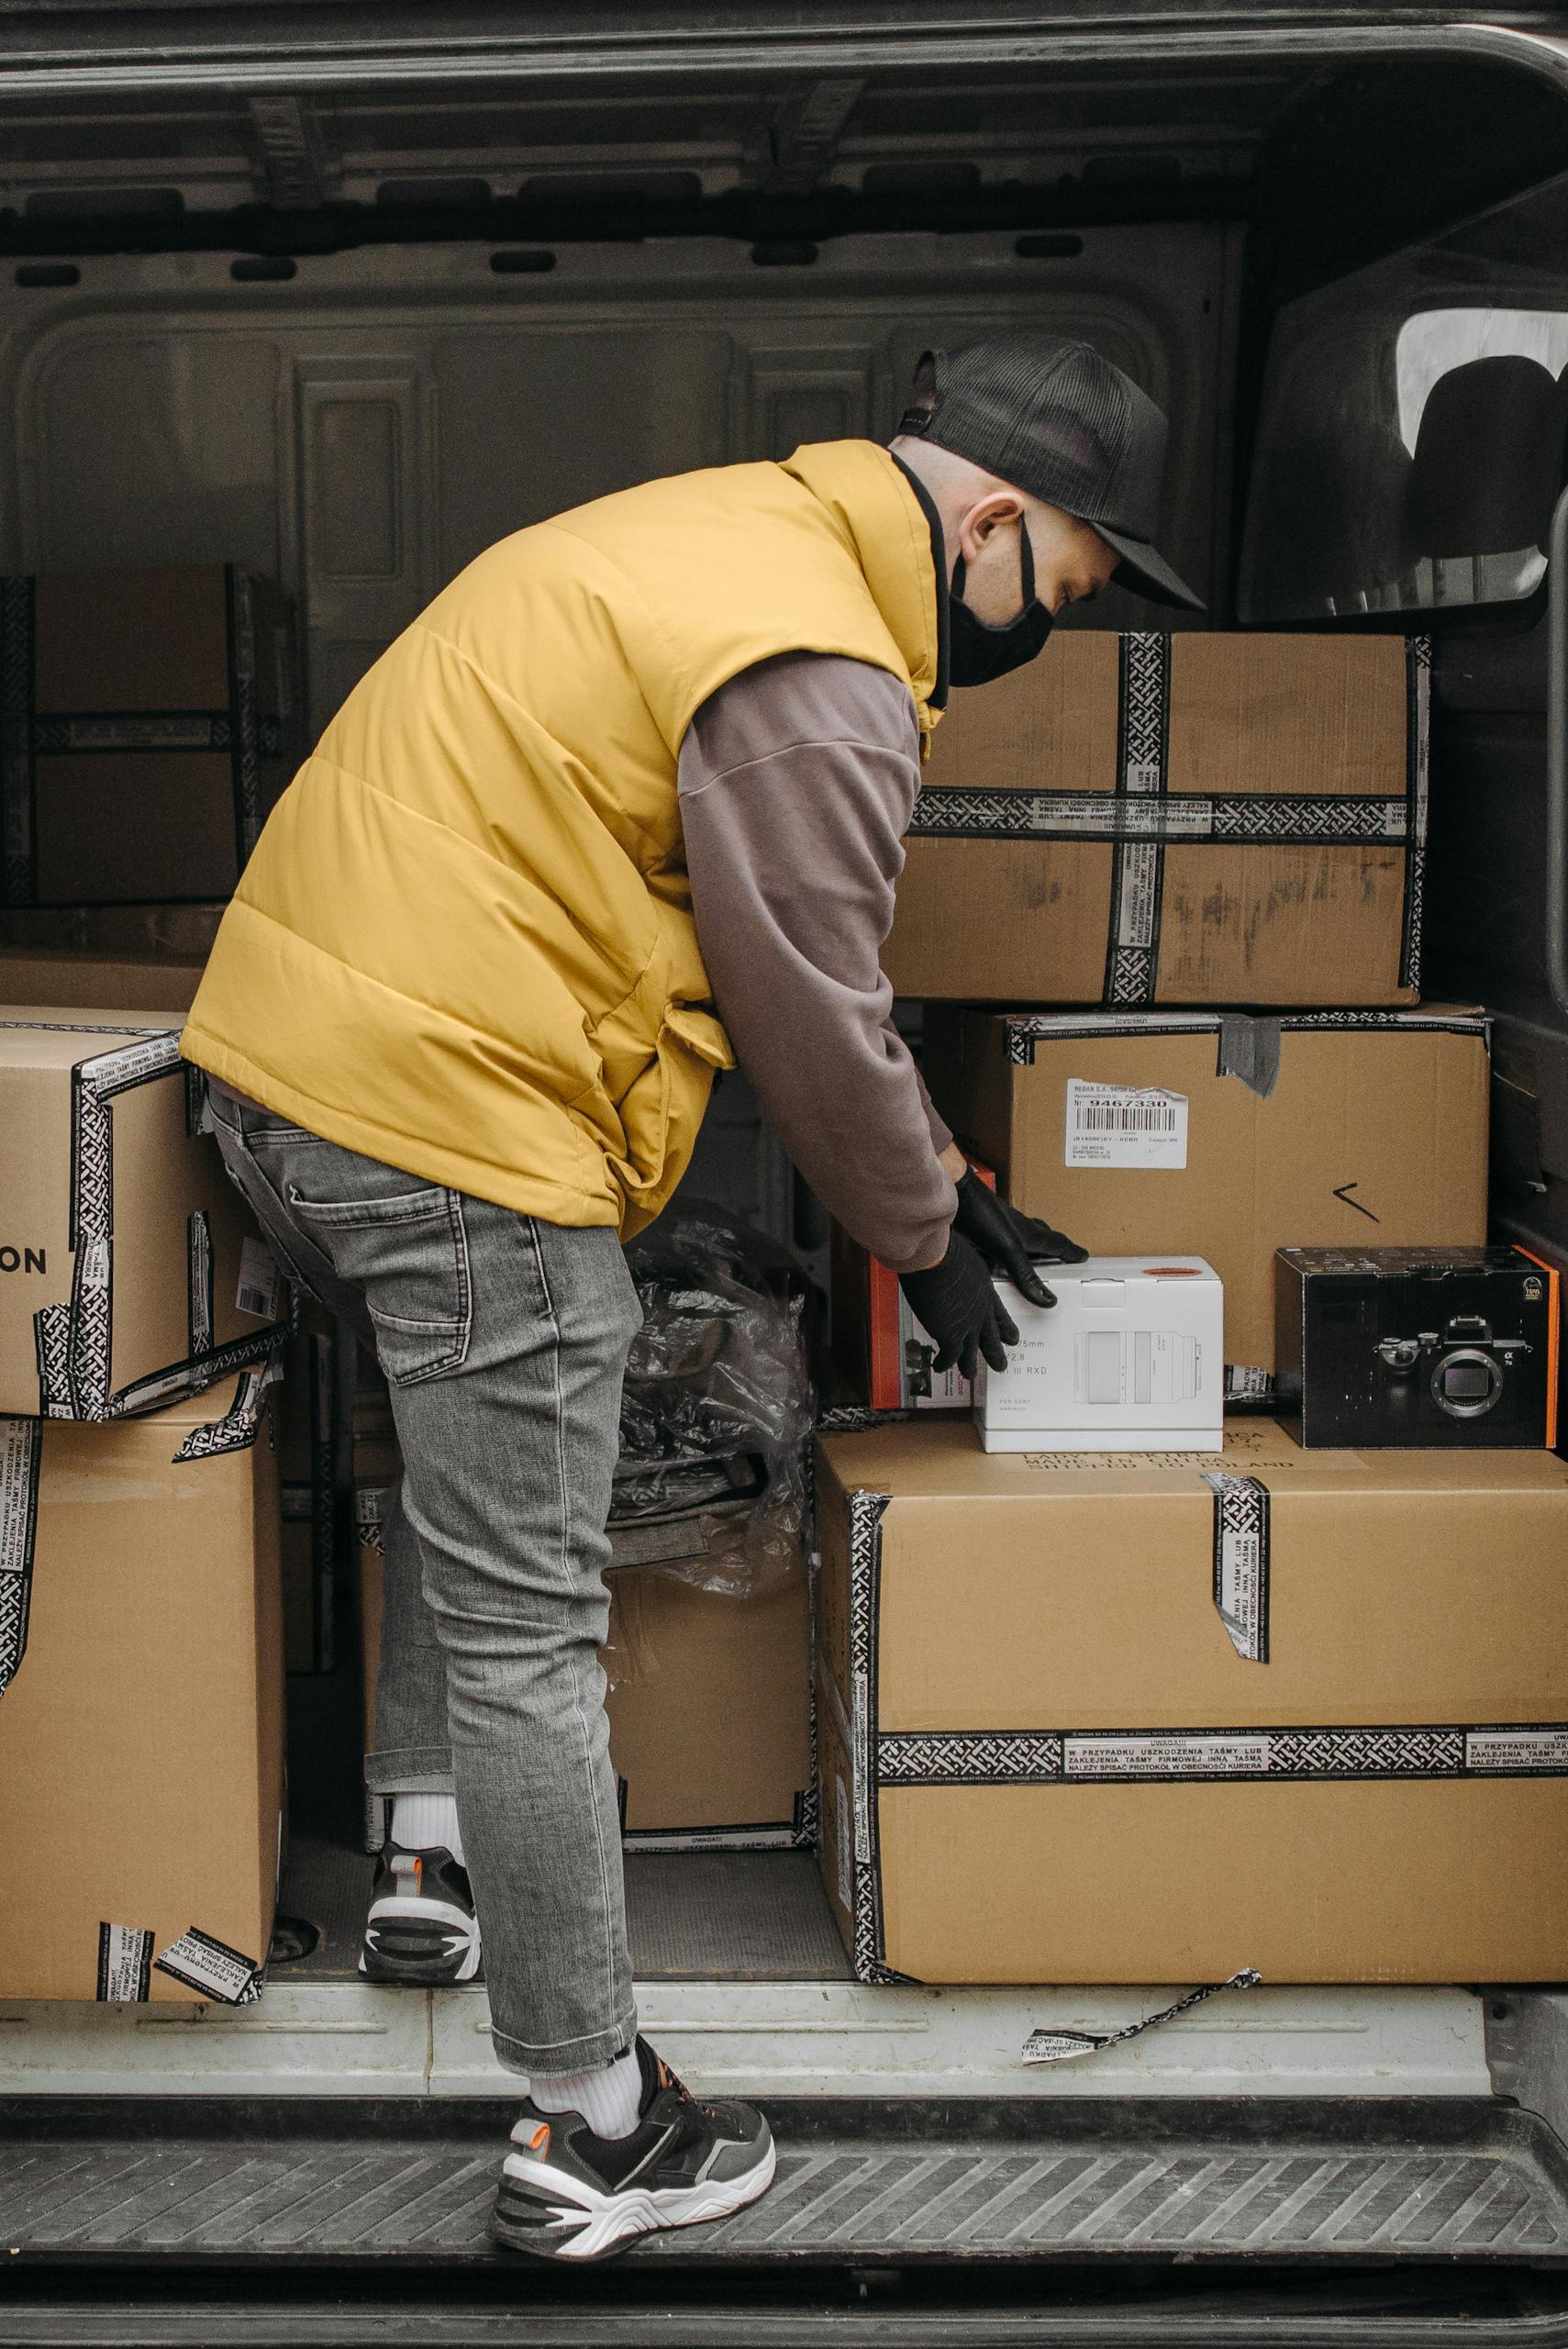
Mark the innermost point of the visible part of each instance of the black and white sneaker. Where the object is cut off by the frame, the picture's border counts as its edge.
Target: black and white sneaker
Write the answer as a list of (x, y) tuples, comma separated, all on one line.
[(421, 1928), (568, 2194)]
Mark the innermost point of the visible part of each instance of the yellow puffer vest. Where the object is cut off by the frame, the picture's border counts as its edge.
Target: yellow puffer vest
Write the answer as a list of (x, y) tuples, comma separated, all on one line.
[(464, 944)]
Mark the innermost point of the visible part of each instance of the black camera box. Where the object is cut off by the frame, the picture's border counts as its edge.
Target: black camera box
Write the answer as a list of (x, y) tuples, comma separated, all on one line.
[(1409, 1348)]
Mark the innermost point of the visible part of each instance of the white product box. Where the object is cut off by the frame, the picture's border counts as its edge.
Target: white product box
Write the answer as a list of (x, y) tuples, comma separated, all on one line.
[(1130, 1358)]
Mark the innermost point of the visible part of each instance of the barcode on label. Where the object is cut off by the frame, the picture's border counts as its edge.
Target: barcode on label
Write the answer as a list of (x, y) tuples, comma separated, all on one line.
[(1129, 1118), (260, 1281), (1118, 1125)]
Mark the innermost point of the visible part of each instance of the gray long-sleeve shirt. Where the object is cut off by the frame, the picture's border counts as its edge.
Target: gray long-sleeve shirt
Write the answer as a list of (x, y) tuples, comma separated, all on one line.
[(797, 781)]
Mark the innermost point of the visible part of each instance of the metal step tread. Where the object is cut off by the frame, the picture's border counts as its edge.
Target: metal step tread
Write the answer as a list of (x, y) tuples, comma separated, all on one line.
[(208, 2181)]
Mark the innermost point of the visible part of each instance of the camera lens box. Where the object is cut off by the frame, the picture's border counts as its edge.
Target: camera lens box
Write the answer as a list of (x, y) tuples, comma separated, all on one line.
[(1130, 1358), (1415, 1347)]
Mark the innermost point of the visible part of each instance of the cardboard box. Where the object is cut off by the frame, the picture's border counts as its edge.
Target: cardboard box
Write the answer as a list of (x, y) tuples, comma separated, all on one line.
[(142, 1735), (1130, 1358), (685, 1646), (307, 1462), (1137, 1719), (680, 1652), (95, 982), (1405, 1347), (1227, 1138), (149, 722), (125, 1253), (1196, 818)]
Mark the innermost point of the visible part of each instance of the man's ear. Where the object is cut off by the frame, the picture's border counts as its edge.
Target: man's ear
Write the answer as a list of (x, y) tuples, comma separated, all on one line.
[(984, 518)]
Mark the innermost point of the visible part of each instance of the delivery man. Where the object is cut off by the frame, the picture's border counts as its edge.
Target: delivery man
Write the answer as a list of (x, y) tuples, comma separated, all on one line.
[(626, 800)]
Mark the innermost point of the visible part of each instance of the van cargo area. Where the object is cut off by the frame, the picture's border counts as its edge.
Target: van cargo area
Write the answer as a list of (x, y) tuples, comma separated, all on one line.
[(303, 306)]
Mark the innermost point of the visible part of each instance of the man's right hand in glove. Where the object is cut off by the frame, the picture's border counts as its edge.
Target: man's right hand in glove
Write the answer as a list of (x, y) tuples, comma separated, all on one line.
[(956, 1303)]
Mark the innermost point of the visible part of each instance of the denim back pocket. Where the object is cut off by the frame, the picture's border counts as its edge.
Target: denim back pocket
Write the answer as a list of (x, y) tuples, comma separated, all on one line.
[(406, 1252)]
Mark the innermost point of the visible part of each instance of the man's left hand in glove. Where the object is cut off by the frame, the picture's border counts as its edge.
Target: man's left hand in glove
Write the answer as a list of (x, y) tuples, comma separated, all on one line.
[(1010, 1242)]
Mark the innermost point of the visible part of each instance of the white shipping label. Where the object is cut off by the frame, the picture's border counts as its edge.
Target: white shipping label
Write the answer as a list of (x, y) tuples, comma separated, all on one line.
[(1516, 1750), (1123, 1125), (260, 1281), (846, 1846), (125, 1965), (210, 1967), (1176, 1754)]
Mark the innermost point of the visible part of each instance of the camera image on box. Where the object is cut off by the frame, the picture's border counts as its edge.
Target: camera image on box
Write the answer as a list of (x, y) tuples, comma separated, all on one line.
[(1130, 1358), (1416, 1347)]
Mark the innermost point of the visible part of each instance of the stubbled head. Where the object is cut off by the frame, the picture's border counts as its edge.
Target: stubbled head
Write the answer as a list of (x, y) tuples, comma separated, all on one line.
[(981, 517)]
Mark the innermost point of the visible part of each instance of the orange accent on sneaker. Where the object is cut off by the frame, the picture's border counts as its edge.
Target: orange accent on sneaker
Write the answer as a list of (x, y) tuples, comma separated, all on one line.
[(418, 1873), (539, 2142)]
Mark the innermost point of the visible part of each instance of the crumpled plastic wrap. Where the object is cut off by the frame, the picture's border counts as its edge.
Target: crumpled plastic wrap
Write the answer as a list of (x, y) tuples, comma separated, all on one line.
[(718, 1407)]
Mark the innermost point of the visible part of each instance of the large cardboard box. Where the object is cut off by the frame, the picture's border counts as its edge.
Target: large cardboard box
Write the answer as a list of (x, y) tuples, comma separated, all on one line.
[(149, 724), (695, 1640), (1226, 1137), (683, 1651), (1147, 1719), (141, 1734), (129, 1272), (91, 982), (1191, 819)]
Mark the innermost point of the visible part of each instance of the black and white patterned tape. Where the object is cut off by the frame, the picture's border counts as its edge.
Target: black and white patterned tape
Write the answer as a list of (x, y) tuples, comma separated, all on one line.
[(1046, 2046), (1082, 1757), (1242, 1562), (240, 1424), (1417, 714), (1026, 1031), (211, 1968), (1231, 818), (21, 1453), (865, 1514)]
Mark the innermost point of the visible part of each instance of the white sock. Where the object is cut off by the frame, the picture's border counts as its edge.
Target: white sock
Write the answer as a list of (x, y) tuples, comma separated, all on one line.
[(608, 2099), (427, 1823)]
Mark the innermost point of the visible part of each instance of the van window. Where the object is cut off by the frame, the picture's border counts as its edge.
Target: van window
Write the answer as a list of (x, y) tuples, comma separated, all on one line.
[(1412, 438)]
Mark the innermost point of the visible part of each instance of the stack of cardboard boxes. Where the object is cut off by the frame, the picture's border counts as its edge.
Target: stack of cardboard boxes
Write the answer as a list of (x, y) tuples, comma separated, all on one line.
[(1101, 1717), (141, 1639)]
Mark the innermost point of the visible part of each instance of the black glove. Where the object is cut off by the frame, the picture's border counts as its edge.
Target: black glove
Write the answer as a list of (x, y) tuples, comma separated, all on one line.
[(957, 1304), (1010, 1242)]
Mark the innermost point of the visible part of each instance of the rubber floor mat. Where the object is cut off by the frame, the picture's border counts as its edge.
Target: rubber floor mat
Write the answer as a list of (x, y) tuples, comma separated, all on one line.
[(1458, 2179)]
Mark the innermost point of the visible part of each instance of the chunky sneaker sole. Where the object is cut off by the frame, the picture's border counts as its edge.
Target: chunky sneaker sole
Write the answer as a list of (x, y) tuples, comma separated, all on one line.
[(421, 1929), (567, 2194)]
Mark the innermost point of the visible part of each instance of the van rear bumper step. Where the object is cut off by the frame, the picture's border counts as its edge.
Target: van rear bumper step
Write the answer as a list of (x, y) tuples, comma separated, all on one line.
[(218, 2186)]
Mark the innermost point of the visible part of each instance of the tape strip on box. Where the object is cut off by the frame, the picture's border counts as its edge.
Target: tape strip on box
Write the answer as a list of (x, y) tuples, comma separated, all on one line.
[(1102, 1757), (125, 1965), (1242, 1562), (21, 1453), (73, 1340), (1137, 874), (211, 1968), (1026, 1031)]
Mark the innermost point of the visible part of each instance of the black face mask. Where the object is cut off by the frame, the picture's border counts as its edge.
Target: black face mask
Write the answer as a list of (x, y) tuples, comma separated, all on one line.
[(976, 651)]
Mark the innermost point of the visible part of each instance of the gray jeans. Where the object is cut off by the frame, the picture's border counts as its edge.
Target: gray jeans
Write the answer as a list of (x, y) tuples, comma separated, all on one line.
[(503, 1340)]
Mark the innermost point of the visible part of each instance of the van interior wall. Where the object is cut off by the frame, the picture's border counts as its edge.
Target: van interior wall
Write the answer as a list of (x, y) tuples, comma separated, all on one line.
[(362, 431)]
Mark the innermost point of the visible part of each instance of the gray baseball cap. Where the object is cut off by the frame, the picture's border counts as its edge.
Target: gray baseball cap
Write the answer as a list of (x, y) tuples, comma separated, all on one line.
[(1052, 417)]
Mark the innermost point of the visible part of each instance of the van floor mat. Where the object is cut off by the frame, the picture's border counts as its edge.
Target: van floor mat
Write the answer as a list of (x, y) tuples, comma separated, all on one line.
[(213, 2183), (733, 1916)]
